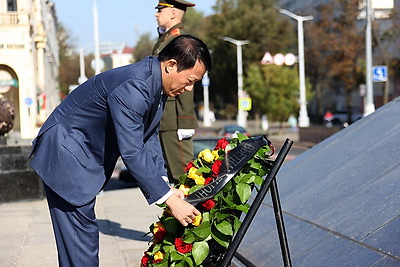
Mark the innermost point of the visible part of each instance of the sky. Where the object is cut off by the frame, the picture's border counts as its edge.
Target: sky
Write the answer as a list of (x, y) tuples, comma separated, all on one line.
[(118, 20)]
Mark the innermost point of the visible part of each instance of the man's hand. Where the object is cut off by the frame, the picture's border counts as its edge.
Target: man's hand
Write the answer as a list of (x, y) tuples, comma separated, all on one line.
[(180, 209)]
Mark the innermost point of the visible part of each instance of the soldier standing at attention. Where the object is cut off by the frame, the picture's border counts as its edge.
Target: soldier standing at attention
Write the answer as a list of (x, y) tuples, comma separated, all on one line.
[(179, 119)]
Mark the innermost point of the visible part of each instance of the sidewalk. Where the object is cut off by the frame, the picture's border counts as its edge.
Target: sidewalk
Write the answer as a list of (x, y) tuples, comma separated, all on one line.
[(123, 217)]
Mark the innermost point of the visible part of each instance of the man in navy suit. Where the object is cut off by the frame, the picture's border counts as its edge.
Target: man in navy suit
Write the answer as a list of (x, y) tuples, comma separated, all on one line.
[(113, 114)]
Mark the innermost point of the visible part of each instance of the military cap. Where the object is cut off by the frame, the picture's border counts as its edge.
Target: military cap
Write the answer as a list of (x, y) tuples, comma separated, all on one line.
[(180, 4)]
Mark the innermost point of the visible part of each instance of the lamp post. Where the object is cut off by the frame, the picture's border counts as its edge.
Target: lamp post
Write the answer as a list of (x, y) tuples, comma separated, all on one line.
[(97, 68), (242, 114), (82, 78), (304, 120), (206, 111), (369, 96)]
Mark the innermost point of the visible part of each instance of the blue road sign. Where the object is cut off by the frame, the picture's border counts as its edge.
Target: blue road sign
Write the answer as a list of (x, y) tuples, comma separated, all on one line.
[(379, 73), (28, 101)]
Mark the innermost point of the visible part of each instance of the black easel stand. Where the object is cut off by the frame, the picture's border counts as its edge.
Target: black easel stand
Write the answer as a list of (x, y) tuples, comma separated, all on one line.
[(269, 183)]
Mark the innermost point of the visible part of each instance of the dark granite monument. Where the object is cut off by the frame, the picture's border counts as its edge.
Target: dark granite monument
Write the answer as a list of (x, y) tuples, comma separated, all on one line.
[(341, 200)]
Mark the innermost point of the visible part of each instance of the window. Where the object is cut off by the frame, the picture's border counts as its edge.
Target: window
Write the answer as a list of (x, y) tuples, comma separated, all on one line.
[(11, 5)]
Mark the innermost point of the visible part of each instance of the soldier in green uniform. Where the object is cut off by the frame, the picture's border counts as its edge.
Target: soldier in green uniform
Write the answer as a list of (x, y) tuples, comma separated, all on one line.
[(179, 119)]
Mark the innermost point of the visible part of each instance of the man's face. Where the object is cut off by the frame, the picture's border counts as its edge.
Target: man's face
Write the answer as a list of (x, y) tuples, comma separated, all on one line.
[(176, 83), (164, 16)]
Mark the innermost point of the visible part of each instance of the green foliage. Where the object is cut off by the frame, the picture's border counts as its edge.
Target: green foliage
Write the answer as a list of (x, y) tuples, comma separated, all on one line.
[(274, 90), (334, 48), (143, 47), (253, 20), (69, 61)]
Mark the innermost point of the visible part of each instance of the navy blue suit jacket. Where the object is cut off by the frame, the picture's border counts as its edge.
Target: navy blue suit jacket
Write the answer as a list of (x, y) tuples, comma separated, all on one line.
[(115, 113)]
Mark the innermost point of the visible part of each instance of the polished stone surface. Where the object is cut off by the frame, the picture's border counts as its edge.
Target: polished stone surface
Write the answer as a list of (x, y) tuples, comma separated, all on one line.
[(341, 200)]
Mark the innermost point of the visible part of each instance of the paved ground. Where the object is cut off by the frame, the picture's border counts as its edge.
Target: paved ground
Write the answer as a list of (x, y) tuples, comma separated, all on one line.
[(123, 215)]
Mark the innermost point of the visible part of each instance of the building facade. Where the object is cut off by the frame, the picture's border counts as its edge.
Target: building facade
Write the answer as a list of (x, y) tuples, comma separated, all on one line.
[(29, 61)]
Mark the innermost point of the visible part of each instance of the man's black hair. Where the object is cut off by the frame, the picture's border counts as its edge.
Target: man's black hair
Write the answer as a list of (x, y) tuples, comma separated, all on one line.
[(186, 50)]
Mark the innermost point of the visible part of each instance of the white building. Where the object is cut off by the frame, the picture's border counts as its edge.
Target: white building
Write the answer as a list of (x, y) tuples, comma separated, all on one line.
[(29, 61), (116, 55)]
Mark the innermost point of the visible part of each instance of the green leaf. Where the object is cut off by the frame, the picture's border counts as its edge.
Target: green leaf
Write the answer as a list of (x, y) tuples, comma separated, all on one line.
[(256, 165), (189, 261), (163, 263), (194, 188), (245, 207), (244, 192), (175, 256), (182, 263), (241, 137), (258, 180), (171, 225), (200, 251), (223, 240), (225, 228), (189, 236), (236, 225), (221, 216), (203, 230), (203, 170), (168, 248)]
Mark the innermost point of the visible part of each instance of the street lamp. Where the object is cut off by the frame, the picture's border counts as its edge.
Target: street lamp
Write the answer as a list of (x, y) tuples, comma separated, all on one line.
[(242, 115), (304, 120), (82, 78), (97, 68), (206, 111), (369, 96)]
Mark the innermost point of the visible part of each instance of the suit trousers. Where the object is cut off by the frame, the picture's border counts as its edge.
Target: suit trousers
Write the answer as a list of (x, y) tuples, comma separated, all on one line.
[(75, 230)]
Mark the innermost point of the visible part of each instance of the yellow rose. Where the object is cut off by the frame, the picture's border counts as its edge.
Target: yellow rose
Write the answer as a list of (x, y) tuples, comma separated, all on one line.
[(158, 256), (199, 180), (192, 173), (206, 155), (185, 189), (215, 153), (197, 220)]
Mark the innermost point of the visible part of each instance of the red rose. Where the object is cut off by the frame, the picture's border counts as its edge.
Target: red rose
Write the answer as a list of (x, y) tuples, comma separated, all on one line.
[(160, 234), (157, 260), (208, 180), (221, 144), (208, 205), (190, 165), (181, 246), (145, 260), (216, 167)]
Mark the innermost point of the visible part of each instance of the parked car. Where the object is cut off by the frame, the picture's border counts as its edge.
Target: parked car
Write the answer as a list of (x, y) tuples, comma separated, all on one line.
[(228, 131), (201, 143), (340, 118)]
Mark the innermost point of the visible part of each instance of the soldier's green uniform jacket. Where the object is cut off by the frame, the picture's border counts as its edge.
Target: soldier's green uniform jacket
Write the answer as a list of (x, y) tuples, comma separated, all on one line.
[(178, 114), (179, 111)]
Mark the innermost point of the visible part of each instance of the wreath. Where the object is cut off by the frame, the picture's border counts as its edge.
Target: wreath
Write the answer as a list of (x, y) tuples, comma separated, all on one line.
[(205, 240)]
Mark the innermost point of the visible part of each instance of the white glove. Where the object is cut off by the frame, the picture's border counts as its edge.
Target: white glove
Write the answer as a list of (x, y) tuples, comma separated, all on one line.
[(185, 133)]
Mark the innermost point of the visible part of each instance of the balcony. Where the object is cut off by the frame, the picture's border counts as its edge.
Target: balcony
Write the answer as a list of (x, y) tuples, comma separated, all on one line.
[(14, 18)]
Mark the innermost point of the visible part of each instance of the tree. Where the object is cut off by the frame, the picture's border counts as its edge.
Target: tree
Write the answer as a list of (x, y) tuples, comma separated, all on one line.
[(69, 62), (143, 47), (335, 47), (274, 90), (194, 22), (253, 20)]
